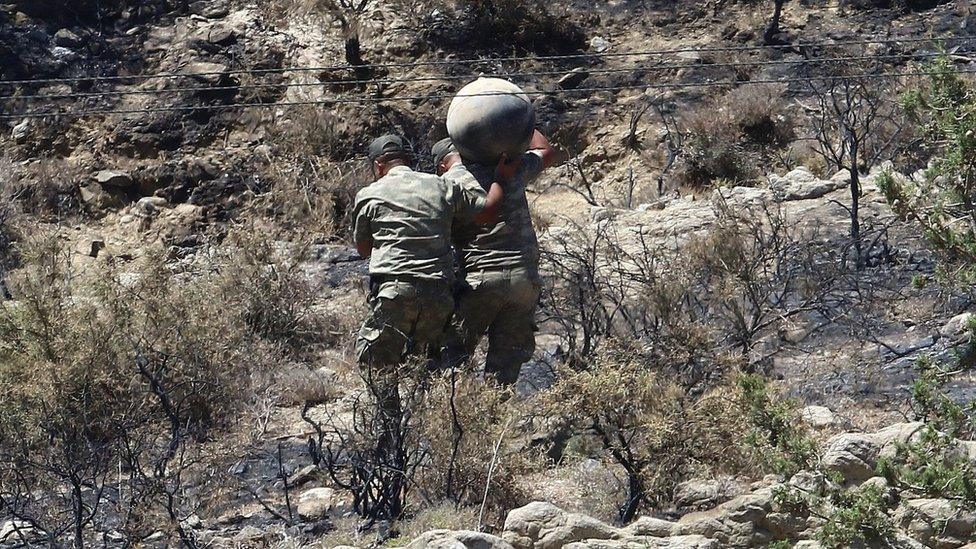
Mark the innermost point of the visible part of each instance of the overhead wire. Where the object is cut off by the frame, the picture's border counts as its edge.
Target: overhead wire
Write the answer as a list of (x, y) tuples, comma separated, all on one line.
[(439, 78), (448, 62), (366, 100)]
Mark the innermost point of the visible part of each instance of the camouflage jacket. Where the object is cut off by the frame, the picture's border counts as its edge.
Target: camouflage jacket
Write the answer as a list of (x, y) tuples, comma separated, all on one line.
[(408, 215)]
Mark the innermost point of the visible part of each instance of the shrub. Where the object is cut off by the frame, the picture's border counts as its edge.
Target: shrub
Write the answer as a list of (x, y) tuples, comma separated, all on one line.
[(712, 149), (858, 515), (761, 115), (506, 26), (776, 431), (102, 370), (648, 425), (941, 201)]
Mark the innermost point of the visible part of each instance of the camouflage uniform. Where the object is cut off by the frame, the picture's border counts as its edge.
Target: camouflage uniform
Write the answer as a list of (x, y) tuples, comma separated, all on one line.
[(408, 215), (500, 266)]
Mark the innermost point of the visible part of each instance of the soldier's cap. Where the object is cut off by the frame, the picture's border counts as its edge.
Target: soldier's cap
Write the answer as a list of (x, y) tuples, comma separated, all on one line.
[(441, 149), (387, 144)]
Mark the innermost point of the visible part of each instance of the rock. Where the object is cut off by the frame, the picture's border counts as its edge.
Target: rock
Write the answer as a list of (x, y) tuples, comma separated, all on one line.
[(573, 78), (96, 198), (148, 206), (649, 526), (206, 72), (739, 522), (11, 530), (67, 39), (21, 131), (457, 539), (674, 542), (315, 504), (692, 57), (853, 455), (697, 493), (956, 325), (91, 247), (302, 476), (113, 178), (801, 184), (221, 35), (541, 525), (211, 9), (599, 44), (818, 417), (936, 522)]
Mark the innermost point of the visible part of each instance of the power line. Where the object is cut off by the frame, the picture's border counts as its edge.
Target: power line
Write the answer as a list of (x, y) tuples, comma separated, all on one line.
[(714, 49), (365, 100), (439, 78)]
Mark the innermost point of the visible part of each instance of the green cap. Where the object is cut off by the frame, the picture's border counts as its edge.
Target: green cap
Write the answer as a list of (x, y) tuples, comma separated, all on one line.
[(441, 149), (386, 144)]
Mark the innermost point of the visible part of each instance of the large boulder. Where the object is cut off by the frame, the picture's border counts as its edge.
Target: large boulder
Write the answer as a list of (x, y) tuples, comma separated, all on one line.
[(740, 522), (675, 542), (853, 455), (317, 503), (541, 525), (801, 184), (936, 522), (458, 539)]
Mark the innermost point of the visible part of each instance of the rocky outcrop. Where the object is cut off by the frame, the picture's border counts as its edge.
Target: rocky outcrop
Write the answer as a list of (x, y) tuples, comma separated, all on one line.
[(458, 539), (541, 525), (855, 455)]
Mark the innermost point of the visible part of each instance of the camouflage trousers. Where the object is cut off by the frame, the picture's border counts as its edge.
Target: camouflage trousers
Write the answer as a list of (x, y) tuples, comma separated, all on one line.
[(407, 318), (501, 304)]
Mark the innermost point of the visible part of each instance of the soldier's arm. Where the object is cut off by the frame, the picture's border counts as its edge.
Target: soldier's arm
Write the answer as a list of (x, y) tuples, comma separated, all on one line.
[(361, 233), (493, 206), (540, 144)]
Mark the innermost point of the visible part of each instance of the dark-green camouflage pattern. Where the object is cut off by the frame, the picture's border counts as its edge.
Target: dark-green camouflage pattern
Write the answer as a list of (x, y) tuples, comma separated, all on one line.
[(509, 244), (409, 215)]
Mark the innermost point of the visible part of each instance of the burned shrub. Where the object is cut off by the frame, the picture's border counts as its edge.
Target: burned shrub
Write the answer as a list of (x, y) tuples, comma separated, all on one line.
[(506, 26)]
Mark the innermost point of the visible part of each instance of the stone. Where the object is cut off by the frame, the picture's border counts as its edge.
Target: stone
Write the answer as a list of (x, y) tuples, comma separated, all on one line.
[(21, 131), (573, 78), (221, 35), (457, 539), (11, 530), (599, 44), (96, 198), (853, 455), (697, 493), (148, 206), (91, 247), (302, 476), (211, 9), (802, 184), (931, 519), (649, 526), (206, 72), (674, 542), (316, 503), (541, 525), (67, 39), (818, 417), (113, 178), (956, 325)]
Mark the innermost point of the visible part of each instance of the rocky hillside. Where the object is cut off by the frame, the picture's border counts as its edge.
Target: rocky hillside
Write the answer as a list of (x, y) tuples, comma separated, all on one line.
[(719, 363)]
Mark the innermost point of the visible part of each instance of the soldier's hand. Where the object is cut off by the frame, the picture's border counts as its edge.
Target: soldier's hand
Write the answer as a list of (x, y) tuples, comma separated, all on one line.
[(506, 169)]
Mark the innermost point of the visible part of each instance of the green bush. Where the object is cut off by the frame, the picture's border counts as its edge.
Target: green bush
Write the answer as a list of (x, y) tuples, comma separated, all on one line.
[(860, 514)]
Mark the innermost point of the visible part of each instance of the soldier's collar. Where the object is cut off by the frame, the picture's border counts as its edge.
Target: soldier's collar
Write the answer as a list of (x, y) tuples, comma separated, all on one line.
[(396, 169)]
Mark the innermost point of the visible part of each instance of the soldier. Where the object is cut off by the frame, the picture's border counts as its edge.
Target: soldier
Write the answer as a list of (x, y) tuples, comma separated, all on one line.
[(402, 223), (500, 282)]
